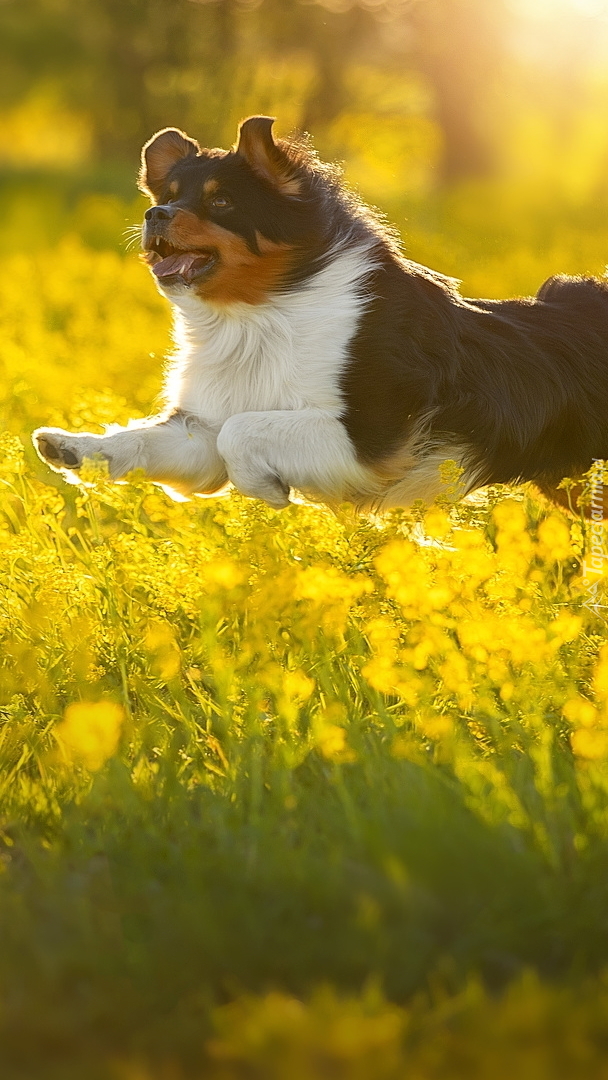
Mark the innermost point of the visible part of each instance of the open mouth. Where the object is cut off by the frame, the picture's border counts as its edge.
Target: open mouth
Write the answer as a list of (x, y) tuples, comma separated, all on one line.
[(172, 265)]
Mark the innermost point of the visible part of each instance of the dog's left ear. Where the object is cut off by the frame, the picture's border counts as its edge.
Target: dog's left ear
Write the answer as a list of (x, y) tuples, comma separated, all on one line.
[(266, 157), (159, 155)]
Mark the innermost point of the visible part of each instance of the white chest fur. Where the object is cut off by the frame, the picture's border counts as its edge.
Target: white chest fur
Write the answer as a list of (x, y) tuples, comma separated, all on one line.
[(285, 354), (254, 396)]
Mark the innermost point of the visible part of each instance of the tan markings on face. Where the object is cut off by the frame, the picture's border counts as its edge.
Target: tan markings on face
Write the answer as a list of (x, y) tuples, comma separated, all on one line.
[(210, 187), (173, 187), (241, 276)]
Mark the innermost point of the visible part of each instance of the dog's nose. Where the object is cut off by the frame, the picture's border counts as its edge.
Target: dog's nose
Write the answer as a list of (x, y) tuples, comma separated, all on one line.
[(156, 214)]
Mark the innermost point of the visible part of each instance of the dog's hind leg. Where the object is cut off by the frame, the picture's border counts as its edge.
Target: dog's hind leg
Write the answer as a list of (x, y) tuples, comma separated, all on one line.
[(179, 451)]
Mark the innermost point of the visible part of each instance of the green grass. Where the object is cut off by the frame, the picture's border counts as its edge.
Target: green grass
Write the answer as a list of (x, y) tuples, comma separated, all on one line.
[(282, 795)]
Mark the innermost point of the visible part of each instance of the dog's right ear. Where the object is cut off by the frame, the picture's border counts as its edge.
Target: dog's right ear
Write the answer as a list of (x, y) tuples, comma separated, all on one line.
[(159, 155)]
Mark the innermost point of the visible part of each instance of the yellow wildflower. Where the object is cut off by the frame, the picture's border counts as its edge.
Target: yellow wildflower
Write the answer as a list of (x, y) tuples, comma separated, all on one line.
[(434, 725), (554, 539), (437, 523), (224, 573), (331, 741), (566, 627), (513, 542), (90, 731), (160, 641), (589, 743), (297, 686), (578, 710)]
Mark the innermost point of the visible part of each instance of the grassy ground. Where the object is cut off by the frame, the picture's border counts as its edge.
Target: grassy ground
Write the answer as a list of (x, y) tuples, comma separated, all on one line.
[(287, 795)]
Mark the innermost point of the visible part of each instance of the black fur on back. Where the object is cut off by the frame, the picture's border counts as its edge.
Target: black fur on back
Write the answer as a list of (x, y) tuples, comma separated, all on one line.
[(522, 384)]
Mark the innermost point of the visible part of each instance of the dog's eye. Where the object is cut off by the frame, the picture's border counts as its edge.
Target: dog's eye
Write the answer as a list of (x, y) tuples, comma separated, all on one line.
[(221, 202)]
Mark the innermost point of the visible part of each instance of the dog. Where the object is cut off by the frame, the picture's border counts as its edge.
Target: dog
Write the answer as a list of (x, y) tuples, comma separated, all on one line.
[(312, 356)]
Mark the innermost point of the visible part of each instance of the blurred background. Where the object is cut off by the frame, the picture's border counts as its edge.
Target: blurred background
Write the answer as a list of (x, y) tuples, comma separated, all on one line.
[(480, 127)]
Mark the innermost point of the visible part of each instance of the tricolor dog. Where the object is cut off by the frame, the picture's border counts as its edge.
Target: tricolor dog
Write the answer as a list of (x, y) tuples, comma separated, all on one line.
[(311, 355)]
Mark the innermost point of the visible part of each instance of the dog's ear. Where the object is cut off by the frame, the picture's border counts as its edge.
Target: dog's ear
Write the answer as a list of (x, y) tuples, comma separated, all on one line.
[(159, 155), (266, 157)]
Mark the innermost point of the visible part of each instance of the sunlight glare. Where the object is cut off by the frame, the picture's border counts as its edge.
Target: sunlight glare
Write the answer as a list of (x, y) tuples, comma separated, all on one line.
[(550, 8)]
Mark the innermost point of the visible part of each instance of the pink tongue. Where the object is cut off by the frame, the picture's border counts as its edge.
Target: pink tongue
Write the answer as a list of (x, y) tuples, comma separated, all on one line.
[(177, 264)]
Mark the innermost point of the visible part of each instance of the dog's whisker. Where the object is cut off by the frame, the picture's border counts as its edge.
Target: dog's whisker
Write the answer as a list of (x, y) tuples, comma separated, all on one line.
[(131, 236)]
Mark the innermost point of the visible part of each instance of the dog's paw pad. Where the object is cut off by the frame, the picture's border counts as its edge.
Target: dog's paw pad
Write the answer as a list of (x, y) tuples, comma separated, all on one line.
[(47, 448), (51, 448), (69, 458)]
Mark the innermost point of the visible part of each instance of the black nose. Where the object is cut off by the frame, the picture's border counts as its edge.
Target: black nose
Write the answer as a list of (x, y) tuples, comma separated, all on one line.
[(156, 214)]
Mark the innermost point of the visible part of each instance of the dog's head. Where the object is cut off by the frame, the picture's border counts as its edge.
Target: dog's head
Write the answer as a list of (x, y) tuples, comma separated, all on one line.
[(228, 226)]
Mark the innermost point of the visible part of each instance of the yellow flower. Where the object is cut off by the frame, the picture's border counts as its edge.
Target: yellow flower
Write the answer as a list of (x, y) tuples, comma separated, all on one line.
[(468, 539), (331, 741), (380, 673), (455, 674), (515, 547), (90, 731), (323, 583), (437, 523), (578, 710), (566, 627), (435, 726), (510, 517), (554, 539), (160, 641), (12, 458), (497, 670), (332, 593), (390, 678), (297, 686), (223, 573), (330, 734), (589, 743), (383, 635), (290, 689)]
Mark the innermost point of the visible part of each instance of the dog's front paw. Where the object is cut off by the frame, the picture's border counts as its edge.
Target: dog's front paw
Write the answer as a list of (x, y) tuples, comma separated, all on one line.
[(246, 456), (55, 448), (266, 486), (62, 450)]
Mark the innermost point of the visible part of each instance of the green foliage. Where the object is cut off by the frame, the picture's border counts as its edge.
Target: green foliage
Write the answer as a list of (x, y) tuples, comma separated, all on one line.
[(245, 755), (297, 795)]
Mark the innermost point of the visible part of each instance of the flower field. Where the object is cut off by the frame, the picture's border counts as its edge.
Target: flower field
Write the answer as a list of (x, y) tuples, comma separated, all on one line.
[(284, 795)]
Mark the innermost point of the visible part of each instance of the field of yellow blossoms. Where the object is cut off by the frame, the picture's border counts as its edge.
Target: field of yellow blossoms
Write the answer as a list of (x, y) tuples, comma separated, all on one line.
[(283, 796)]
